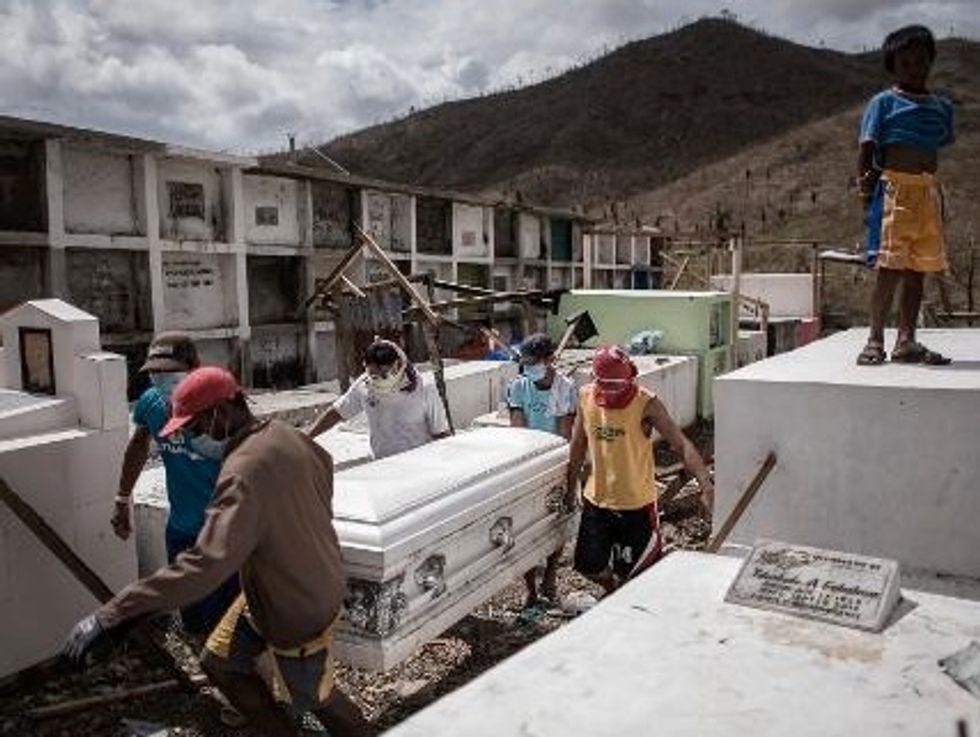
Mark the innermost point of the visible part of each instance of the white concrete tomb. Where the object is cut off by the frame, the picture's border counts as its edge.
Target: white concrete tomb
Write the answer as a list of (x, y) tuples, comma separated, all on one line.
[(665, 655), (876, 460), (61, 445)]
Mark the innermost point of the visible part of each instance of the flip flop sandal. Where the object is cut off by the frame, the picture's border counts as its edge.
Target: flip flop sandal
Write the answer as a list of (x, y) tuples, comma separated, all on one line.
[(873, 354), (918, 353)]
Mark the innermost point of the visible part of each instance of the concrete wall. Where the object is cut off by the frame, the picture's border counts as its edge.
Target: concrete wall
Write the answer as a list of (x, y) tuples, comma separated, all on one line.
[(278, 356), (22, 186), (113, 285), (788, 295), (69, 477), (199, 291), (22, 274), (334, 208), (504, 233), (472, 230), (433, 225), (389, 219), (878, 462), (272, 210), (99, 192), (180, 218), (529, 236), (274, 288)]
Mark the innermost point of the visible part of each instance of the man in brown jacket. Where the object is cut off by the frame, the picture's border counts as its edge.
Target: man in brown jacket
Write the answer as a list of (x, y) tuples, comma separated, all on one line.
[(271, 519)]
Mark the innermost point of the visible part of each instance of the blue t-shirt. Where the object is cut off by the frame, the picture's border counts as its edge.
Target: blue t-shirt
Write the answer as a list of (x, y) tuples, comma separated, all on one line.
[(922, 121), (190, 476), (542, 407)]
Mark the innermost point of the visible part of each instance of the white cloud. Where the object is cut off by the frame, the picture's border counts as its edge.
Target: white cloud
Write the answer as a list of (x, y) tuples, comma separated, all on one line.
[(242, 73)]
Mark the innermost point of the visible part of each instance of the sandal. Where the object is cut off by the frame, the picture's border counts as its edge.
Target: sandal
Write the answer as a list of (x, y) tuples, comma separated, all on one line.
[(873, 354), (913, 352)]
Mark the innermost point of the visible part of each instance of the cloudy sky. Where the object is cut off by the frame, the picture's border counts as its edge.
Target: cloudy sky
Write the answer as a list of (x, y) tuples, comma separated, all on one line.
[(239, 75)]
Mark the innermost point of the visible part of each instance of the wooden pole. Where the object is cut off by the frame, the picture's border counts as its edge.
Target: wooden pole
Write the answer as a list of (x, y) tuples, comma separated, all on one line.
[(73, 705), (327, 284), (78, 568), (744, 499), (399, 277)]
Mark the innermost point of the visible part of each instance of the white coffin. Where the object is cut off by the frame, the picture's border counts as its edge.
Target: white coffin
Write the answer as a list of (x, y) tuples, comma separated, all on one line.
[(430, 534)]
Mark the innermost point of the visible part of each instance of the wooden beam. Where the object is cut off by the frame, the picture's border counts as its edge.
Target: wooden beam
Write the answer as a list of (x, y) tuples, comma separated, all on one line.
[(334, 276), (399, 277), (744, 499), (72, 705), (78, 568)]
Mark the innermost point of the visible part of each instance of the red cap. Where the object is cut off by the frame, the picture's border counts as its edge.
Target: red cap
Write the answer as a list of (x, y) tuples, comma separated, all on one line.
[(612, 362), (201, 389)]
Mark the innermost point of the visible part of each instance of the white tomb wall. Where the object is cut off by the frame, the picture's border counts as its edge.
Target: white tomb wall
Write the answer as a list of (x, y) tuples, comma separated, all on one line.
[(788, 295), (99, 191), (271, 210), (875, 460), (61, 454)]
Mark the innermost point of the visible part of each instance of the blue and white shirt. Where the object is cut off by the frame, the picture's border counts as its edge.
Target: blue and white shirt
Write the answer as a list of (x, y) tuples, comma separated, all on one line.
[(894, 117)]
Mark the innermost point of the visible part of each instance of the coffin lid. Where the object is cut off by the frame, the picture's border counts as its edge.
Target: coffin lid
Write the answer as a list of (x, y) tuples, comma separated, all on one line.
[(386, 489)]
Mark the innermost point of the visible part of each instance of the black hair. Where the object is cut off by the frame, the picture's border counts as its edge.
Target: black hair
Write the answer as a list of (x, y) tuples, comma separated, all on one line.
[(905, 38), (537, 347), (381, 353)]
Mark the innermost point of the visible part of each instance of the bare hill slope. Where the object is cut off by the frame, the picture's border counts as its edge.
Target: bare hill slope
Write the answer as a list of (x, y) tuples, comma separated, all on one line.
[(644, 115)]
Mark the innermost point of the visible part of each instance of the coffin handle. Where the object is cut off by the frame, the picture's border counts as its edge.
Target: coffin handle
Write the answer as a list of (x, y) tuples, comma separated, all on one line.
[(430, 576), (502, 533)]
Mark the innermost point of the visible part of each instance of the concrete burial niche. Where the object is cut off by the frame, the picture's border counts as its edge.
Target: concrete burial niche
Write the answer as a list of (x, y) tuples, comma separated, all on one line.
[(667, 655), (878, 460), (63, 429)]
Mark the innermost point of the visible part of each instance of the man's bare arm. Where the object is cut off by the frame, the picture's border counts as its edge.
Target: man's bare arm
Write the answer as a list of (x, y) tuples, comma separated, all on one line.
[(576, 456), (137, 451), (656, 413), (517, 418)]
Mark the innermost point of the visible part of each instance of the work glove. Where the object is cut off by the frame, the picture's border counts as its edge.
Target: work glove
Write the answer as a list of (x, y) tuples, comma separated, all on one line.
[(85, 637)]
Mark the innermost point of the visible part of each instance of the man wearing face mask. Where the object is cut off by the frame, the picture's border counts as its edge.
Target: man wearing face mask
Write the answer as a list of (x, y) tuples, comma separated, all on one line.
[(271, 519), (542, 399), (403, 410), (619, 532), (190, 471)]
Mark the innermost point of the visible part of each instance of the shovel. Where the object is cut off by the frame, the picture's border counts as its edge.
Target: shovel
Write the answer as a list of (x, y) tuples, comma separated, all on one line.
[(579, 325)]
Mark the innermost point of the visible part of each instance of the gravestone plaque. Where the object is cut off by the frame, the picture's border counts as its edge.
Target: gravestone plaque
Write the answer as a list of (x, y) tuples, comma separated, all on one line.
[(841, 588)]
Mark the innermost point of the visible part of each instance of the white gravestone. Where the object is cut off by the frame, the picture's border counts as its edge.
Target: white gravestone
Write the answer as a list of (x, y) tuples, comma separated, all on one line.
[(850, 590)]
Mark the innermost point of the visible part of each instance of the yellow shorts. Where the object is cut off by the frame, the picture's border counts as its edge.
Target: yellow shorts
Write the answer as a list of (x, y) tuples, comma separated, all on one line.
[(301, 676), (911, 223)]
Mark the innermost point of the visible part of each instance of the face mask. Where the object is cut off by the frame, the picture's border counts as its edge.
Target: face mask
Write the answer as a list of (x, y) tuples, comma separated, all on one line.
[(165, 383), (388, 384), (614, 393), (536, 371), (205, 445)]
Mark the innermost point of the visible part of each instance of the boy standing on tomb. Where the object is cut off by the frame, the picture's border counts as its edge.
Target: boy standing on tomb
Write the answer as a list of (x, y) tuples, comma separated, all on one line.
[(191, 471), (542, 399), (403, 410), (619, 532), (902, 130)]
